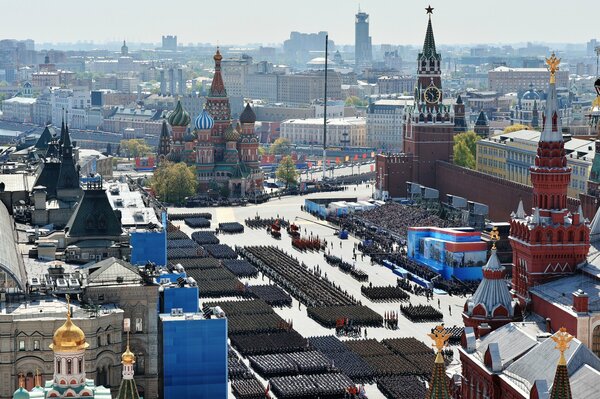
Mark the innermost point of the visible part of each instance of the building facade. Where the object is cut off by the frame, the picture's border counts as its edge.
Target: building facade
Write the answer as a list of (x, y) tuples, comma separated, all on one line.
[(504, 79), (384, 124), (18, 109), (509, 155), (341, 132), (32, 350)]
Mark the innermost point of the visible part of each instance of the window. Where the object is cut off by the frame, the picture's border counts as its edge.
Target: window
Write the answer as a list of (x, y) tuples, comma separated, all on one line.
[(138, 324), (36, 345), (99, 341), (21, 345), (69, 367), (108, 339)]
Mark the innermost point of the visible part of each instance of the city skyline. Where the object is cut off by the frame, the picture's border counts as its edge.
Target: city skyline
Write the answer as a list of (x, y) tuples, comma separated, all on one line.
[(390, 23)]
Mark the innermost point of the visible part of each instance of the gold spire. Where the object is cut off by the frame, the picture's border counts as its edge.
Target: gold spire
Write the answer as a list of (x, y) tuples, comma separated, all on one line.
[(440, 338), (553, 63), (562, 339), (494, 236), (68, 337), (128, 357)]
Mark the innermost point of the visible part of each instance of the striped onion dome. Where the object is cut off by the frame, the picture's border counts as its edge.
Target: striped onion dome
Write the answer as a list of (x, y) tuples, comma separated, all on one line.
[(179, 116), (204, 121)]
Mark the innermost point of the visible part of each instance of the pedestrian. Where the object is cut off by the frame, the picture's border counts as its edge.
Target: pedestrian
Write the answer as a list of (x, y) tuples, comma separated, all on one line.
[(365, 332), (439, 303), (450, 310)]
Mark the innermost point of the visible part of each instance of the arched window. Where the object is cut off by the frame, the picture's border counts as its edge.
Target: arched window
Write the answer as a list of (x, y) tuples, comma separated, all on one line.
[(596, 340), (58, 365), (69, 367), (80, 366)]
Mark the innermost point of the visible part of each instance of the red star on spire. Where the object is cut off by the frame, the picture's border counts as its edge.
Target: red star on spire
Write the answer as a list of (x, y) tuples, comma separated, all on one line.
[(429, 9)]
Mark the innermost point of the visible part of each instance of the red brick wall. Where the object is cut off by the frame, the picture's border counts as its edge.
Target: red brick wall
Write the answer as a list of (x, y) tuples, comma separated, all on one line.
[(501, 196), (558, 317)]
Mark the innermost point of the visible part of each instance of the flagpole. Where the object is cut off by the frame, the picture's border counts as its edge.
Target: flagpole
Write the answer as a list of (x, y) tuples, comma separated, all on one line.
[(325, 111)]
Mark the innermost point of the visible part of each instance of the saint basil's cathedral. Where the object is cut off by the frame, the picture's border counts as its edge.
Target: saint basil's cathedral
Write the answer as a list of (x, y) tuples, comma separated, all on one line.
[(220, 151)]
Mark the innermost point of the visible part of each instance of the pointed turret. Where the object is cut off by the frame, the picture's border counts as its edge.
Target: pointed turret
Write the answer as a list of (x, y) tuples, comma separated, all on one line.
[(482, 126), (438, 386), (164, 141), (491, 304), (561, 388), (429, 44), (68, 177), (551, 121), (520, 214), (128, 388), (217, 87)]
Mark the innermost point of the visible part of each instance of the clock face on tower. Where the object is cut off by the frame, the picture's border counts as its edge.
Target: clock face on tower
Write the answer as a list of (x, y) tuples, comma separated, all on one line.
[(432, 95)]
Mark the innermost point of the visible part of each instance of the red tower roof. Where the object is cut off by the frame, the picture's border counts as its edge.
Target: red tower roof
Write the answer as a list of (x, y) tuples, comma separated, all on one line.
[(217, 88)]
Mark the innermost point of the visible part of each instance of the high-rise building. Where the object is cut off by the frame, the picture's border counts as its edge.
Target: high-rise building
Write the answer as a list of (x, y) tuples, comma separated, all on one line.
[(363, 54), (169, 42)]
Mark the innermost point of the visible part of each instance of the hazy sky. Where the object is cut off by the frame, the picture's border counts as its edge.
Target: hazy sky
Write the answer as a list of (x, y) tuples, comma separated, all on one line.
[(270, 21)]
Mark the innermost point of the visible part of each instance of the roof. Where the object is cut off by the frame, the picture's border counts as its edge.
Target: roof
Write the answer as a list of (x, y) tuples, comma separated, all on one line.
[(330, 122), (429, 44), (513, 341), (540, 363), (112, 271), (20, 100), (45, 138), (48, 177), (9, 258), (492, 292), (560, 292), (584, 382), (128, 389), (94, 217), (17, 182)]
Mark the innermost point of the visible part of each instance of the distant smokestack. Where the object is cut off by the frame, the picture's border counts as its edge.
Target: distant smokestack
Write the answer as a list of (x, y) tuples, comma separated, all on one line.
[(172, 88), (181, 82), (163, 83)]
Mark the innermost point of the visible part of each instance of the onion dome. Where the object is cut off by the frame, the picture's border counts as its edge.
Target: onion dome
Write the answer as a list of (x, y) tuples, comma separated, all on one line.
[(189, 137), (248, 115), (179, 116), (128, 357), (174, 156), (68, 337), (21, 393), (218, 56), (204, 121), (231, 134)]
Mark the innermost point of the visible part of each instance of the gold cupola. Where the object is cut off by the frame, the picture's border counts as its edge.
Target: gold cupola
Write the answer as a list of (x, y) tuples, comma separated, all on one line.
[(68, 337), (127, 357)]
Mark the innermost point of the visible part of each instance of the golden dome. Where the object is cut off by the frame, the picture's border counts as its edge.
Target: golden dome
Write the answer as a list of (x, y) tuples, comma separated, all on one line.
[(68, 337), (127, 357)]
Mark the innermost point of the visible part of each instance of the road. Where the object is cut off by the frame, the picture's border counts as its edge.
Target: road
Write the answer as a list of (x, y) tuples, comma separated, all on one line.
[(289, 208)]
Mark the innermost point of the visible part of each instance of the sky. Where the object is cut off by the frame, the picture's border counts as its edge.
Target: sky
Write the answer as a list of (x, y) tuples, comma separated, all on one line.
[(270, 21)]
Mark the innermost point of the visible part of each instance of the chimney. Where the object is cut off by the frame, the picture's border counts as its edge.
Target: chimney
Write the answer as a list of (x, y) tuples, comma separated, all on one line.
[(172, 82), (163, 83), (580, 301), (483, 330), (181, 83), (548, 325)]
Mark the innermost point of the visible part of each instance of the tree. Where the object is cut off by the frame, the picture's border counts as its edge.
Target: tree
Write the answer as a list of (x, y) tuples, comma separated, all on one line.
[(173, 182), (135, 148), (465, 149), (286, 171), (281, 146), (357, 102), (515, 127)]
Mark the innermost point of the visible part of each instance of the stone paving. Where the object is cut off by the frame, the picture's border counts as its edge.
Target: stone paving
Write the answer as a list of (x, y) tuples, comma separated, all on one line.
[(289, 208)]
